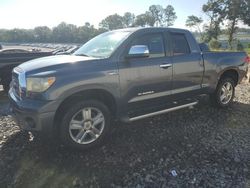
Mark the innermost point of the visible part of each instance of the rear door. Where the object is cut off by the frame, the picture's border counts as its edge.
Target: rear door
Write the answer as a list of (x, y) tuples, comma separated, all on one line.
[(146, 82), (187, 65)]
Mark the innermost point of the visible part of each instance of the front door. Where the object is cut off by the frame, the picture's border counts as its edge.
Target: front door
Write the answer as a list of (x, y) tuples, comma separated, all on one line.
[(146, 81)]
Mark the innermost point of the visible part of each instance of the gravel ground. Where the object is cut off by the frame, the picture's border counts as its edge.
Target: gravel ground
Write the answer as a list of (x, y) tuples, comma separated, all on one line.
[(202, 147)]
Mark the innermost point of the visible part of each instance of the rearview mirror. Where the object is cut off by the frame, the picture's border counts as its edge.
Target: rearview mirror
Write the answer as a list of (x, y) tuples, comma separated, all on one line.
[(138, 51)]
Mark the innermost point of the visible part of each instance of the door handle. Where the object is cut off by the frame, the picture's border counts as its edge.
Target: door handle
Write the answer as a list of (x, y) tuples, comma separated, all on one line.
[(165, 66)]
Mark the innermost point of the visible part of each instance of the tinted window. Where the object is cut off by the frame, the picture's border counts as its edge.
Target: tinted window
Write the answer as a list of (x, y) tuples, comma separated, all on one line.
[(180, 44), (154, 43)]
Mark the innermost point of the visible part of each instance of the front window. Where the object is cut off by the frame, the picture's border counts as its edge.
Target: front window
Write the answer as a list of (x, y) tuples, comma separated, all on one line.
[(154, 42), (103, 45)]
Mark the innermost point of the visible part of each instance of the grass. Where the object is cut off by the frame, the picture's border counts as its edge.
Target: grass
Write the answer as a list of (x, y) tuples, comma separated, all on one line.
[(247, 50)]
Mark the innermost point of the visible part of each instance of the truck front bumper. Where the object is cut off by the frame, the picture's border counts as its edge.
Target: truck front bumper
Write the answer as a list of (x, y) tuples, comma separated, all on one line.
[(33, 115)]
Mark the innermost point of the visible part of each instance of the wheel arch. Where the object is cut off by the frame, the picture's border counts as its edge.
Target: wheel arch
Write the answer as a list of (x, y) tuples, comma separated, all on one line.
[(101, 95), (231, 73)]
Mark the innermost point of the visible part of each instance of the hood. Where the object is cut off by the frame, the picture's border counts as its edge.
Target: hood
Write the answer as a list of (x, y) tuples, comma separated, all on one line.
[(47, 62)]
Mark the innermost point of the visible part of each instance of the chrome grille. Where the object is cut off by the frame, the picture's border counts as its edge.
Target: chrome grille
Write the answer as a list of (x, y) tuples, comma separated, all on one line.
[(18, 82), (15, 84)]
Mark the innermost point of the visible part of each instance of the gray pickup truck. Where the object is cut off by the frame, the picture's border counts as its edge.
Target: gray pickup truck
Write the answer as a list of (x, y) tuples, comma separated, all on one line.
[(124, 75)]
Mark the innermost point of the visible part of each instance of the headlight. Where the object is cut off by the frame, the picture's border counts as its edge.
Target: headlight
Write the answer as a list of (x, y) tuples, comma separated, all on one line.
[(39, 84)]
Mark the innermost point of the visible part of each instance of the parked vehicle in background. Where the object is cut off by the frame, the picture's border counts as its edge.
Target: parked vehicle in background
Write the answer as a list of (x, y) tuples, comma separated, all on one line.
[(127, 74), (59, 50), (10, 58), (11, 51), (69, 51)]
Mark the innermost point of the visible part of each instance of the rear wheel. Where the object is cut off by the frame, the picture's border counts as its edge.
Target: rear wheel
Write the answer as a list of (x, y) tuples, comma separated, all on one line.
[(85, 124), (224, 94)]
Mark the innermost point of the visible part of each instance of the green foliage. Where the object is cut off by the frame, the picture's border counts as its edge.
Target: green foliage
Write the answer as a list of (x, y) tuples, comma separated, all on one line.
[(211, 31), (63, 33), (245, 16), (42, 34), (157, 16), (141, 20), (170, 15), (233, 12), (221, 10), (112, 22), (247, 50), (128, 19), (69, 33), (240, 46), (193, 21), (156, 12), (249, 45), (214, 10), (214, 44)]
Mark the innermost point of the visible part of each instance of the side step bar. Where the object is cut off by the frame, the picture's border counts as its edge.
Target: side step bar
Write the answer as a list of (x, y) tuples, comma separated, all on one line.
[(163, 111)]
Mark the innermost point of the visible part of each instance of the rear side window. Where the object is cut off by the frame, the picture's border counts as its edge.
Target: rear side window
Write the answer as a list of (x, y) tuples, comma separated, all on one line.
[(154, 43), (180, 44)]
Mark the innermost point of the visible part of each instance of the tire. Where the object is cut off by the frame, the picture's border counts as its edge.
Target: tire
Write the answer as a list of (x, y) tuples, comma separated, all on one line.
[(80, 128), (217, 97)]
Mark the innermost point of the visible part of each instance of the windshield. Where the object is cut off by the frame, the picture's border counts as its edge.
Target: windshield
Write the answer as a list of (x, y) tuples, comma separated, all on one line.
[(103, 45)]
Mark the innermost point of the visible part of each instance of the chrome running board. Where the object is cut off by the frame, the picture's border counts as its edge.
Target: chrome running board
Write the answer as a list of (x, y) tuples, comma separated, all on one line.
[(163, 111)]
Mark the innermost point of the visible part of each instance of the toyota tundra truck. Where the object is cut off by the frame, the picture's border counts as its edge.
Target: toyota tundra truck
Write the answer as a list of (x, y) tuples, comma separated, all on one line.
[(123, 75)]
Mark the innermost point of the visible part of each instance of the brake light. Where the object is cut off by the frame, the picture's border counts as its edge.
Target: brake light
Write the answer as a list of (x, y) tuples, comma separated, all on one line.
[(247, 60)]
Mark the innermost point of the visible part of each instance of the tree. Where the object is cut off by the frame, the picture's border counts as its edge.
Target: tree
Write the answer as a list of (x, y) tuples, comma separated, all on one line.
[(156, 12), (240, 46), (140, 20), (214, 44), (85, 33), (42, 34), (194, 21), (156, 16), (230, 10), (145, 19), (245, 16), (112, 22), (128, 19), (64, 32), (233, 11), (214, 9), (169, 15)]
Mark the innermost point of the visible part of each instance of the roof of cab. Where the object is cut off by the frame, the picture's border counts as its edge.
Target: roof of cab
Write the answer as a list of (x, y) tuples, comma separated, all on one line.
[(134, 29)]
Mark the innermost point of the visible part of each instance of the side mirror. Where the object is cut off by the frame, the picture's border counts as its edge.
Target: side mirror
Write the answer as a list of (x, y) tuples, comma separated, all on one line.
[(204, 47), (138, 51)]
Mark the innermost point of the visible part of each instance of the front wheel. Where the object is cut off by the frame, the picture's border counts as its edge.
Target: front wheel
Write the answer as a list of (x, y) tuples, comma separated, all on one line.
[(224, 94), (85, 124)]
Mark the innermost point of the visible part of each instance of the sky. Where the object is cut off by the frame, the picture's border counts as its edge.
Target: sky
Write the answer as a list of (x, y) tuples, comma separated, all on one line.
[(31, 13)]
